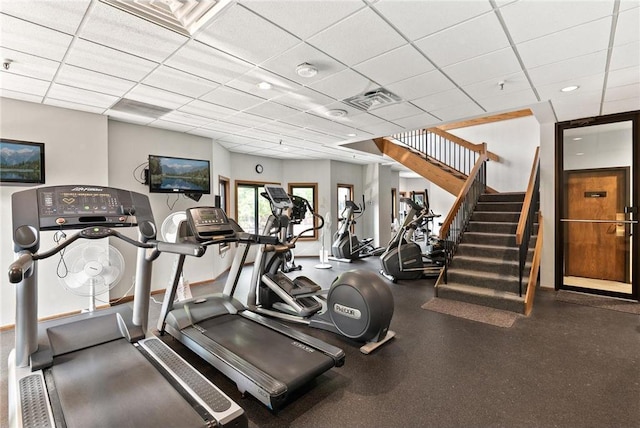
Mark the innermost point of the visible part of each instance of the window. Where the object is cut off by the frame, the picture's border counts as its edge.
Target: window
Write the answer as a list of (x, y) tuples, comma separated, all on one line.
[(345, 193), (394, 204), (222, 201), (308, 191), (252, 210)]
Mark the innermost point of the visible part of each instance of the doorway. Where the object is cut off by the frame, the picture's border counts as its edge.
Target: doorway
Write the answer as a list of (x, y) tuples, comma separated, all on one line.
[(596, 205)]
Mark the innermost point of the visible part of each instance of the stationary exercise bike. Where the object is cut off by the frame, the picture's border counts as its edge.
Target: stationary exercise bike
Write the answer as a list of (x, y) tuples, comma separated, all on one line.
[(346, 246), (403, 258), (358, 305)]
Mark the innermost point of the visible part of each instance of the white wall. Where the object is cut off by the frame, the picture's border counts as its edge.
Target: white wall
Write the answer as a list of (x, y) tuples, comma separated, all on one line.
[(515, 141), (75, 152)]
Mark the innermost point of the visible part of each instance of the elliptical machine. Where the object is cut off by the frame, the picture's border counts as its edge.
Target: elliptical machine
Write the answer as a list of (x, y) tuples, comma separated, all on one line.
[(346, 246), (358, 305), (403, 258)]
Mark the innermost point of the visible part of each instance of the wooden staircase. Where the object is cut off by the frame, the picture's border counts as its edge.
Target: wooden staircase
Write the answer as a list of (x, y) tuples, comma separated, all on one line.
[(485, 267), (445, 162)]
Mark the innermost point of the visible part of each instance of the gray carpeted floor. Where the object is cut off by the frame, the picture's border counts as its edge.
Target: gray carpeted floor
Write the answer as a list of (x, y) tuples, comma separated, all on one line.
[(565, 365), (602, 302)]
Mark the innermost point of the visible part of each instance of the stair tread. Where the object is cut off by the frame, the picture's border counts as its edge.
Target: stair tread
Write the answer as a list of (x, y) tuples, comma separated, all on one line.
[(482, 291), (492, 260), (488, 246), (489, 275)]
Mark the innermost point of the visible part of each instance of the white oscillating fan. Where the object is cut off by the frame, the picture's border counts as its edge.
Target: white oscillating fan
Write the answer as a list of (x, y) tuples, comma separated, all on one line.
[(324, 254), (94, 268), (169, 233)]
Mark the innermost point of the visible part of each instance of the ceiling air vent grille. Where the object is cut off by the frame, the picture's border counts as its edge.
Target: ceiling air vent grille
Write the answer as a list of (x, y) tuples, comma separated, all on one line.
[(140, 109), (372, 100), (182, 16)]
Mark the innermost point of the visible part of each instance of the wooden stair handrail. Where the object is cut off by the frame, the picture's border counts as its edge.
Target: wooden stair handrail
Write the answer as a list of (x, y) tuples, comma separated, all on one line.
[(479, 148), (533, 274), (528, 197), (444, 229)]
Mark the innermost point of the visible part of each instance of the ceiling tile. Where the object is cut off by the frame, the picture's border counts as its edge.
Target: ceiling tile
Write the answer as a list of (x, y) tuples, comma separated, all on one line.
[(361, 36), (458, 112), (272, 110), (186, 118), (247, 120), (286, 63), (206, 109), (550, 16), (24, 36), (232, 98), (303, 99), (93, 81), (396, 111), (420, 86), (398, 64), (225, 127), (495, 65), (242, 33), (623, 92), (174, 80), (202, 60), (303, 18), (73, 106), (416, 19), (111, 27), (620, 106), (625, 56), (344, 84), (29, 65), (129, 118), (93, 56), (23, 84), (588, 106), (423, 120), (573, 68), (441, 100), (157, 97), (623, 76), (573, 42), (591, 83), (627, 28), (464, 41), (62, 16), (5, 93), (508, 100), (249, 81), (172, 125), (515, 82), (80, 96)]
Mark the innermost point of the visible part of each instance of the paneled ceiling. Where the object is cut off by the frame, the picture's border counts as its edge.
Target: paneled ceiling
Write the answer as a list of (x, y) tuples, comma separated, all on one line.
[(444, 60)]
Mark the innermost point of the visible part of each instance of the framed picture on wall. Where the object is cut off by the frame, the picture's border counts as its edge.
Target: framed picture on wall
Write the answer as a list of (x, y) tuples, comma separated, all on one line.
[(21, 162)]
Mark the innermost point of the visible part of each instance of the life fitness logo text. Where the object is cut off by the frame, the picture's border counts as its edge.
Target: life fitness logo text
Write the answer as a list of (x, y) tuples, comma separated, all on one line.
[(347, 311), (86, 189)]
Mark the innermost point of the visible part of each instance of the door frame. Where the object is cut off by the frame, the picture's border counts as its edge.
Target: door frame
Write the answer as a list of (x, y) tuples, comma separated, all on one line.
[(560, 127)]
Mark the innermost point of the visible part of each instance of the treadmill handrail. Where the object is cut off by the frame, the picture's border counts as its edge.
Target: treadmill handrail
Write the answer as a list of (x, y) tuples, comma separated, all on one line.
[(23, 263)]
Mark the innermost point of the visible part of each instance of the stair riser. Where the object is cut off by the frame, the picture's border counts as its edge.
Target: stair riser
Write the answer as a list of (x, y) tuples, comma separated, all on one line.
[(461, 277), (489, 239), (502, 197), (492, 227), (496, 303), (495, 216), (492, 253), (493, 266), (499, 206)]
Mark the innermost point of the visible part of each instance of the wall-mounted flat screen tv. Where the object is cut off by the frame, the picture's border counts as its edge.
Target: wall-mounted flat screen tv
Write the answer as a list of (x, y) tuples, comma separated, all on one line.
[(179, 175), (21, 162)]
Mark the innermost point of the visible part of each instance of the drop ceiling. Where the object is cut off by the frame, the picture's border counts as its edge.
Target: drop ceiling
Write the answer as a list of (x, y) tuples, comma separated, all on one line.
[(443, 60)]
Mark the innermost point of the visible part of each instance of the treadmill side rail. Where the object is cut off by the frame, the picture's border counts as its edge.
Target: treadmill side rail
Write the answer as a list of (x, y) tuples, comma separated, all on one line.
[(224, 410), (28, 398)]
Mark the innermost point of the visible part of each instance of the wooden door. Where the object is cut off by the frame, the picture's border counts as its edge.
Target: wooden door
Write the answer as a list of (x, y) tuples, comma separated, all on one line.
[(597, 246)]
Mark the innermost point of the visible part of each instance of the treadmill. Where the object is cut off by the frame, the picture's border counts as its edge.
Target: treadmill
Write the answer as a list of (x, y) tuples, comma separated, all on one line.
[(97, 369), (264, 357)]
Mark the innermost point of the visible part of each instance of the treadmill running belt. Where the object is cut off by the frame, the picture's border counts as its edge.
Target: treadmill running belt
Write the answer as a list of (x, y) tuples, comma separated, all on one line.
[(113, 385), (287, 360)]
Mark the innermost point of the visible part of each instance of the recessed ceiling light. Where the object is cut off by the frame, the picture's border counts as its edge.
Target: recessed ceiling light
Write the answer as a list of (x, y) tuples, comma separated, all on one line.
[(352, 135), (579, 154), (264, 85), (306, 70), (570, 88), (336, 113), (577, 139)]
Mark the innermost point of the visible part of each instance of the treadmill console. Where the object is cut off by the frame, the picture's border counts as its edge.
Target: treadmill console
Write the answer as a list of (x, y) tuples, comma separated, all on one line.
[(209, 222), (278, 196), (82, 206)]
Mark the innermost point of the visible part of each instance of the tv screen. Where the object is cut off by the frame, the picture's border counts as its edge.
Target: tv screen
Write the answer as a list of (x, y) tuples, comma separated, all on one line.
[(21, 162), (178, 175)]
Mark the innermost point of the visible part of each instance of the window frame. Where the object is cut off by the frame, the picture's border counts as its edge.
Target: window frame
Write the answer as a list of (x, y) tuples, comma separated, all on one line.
[(311, 235)]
